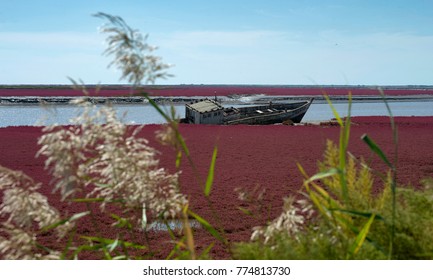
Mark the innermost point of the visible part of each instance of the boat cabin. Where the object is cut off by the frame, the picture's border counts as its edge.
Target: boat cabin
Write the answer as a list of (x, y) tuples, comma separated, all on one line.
[(205, 111)]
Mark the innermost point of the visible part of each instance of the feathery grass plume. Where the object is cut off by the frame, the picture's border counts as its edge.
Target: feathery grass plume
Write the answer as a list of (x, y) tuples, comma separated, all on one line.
[(253, 202), (132, 54), (290, 221), (134, 57), (21, 245), (22, 203), (103, 152), (359, 179), (167, 136), (27, 212)]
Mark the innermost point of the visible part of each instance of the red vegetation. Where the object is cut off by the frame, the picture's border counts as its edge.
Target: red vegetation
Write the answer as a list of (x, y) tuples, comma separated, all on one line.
[(211, 90), (248, 156)]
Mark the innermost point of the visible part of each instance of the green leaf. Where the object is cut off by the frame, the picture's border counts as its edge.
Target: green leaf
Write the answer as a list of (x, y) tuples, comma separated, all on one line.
[(375, 148), (178, 159), (64, 221), (121, 222), (210, 175), (361, 236), (88, 199), (173, 123), (79, 216), (346, 129), (206, 251), (207, 226), (113, 245), (67, 248), (94, 247), (344, 143), (389, 110), (358, 213), (183, 145), (176, 248), (156, 106), (322, 175), (334, 111), (245, 211), (108, 241)]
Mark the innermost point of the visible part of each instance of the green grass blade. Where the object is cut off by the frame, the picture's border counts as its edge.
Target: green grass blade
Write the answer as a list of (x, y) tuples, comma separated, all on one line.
[(375, 148), (210, 176), (346, 130), (79, 216), (85, 247), (359, 213), (344, 140), (178, 159), (318, 202), (183, 145), (361, 236), (63, 221), (245, 211), (169, 120), (156, 106), (302, 170), (107, 241), (65, 251), (113, 245), (388, 109), (334, 111), (394, 173), (206, 251), (121, 222), (322, 175), (344, 143), (207, 226), (88, 199), (173, 123), (177, 247)]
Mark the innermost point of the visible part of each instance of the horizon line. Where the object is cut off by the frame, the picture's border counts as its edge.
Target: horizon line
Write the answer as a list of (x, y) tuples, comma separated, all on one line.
[(414, 86)]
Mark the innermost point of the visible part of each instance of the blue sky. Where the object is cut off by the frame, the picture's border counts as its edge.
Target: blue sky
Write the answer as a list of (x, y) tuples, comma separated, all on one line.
[(225, 42)]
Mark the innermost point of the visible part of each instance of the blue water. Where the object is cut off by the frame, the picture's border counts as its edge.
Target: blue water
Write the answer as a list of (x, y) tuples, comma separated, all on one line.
[(18, 115)]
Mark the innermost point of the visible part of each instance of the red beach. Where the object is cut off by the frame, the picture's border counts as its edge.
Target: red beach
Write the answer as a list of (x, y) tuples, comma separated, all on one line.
[(248, 157)]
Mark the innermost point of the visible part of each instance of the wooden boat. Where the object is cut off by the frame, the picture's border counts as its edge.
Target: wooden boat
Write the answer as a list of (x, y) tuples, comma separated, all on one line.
[(209, 111)]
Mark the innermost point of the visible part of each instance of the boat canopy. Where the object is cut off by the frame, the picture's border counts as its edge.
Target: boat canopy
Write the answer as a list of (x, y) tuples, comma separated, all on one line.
[(206, 105)]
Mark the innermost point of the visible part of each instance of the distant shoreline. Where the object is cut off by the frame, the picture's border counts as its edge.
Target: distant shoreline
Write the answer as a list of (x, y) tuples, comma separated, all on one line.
[(180, 100), (160, 86), (179, 91), (226, 94)]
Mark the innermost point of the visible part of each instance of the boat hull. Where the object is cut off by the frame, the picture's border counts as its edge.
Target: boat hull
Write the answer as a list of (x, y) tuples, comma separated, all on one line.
[(271, 114), (252, 115)]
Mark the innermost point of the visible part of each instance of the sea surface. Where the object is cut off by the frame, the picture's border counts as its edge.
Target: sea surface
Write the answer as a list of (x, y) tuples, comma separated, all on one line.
[(29, 115)]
